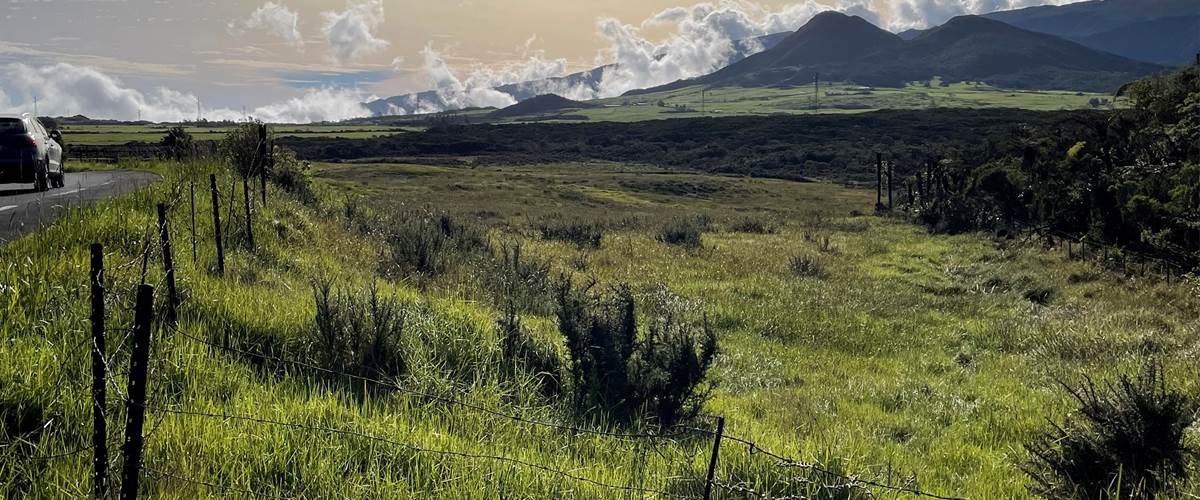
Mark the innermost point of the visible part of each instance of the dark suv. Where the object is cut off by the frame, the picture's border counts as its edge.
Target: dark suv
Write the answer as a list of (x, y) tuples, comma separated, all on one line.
[(29, 153)]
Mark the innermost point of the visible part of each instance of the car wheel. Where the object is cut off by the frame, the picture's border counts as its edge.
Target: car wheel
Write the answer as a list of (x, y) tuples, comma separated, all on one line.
[(41, 178)]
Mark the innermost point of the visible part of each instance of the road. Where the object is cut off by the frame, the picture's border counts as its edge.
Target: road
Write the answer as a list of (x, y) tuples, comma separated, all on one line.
[(23, 211)]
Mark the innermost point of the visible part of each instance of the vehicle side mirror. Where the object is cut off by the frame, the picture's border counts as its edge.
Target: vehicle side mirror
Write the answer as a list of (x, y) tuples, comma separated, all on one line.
[(57, 136)]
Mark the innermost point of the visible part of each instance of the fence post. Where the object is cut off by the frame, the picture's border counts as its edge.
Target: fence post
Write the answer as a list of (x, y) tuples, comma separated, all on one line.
[(192, 191), (1070, 249), (164, 235), (216, 209), (891, 169), (878, 181), (249, 218), (99, 394), (135, 407), (712, 462)]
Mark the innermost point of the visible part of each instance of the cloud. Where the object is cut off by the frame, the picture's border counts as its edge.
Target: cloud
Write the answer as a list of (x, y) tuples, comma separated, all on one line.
[(275, 19), (66, 89), (456, 93), (701, 38), (349, 32)]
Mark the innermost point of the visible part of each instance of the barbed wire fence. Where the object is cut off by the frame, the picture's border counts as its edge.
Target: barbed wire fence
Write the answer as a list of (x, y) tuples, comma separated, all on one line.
[(137, 339)]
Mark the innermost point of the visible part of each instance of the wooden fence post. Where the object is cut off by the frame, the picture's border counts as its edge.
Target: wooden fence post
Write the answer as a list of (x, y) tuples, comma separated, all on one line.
[(891, 169), (135, 407), (712, 462), (99, 392), (878, 181), (164, 236), (216, 209)]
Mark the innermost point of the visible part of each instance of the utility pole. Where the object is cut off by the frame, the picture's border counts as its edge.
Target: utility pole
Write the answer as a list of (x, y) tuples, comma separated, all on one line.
[(817, 89), (35, 105), (198, 116)]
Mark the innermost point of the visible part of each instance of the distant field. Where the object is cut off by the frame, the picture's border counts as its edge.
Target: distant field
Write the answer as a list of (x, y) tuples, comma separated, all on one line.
[(121, 134), (685, 103)]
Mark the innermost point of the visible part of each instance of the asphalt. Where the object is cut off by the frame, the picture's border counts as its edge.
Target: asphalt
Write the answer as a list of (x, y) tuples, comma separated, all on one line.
[(23, 210)]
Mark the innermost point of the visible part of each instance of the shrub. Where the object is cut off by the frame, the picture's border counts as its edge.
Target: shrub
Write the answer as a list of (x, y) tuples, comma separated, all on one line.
[(1127, 441), (430, 244), (624, 377), (683, 231), (356, 334), (755, 225), (520, 281), (178, 144), (583, 234), (522, 354), (806, 267), (244, 148), (293, 175)]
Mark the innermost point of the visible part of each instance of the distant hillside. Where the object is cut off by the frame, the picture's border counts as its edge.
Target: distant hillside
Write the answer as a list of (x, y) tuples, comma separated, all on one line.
[(1159, 31), (542, 104), (967, 48), (584, 82)]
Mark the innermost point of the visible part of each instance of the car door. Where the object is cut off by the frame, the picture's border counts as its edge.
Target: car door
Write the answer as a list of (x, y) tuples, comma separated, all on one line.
[(53, 148)]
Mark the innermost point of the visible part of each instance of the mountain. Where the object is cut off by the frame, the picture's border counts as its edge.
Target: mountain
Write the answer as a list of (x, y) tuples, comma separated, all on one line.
[(1160, 31), (585, 84), (541, 104), (966, 48)]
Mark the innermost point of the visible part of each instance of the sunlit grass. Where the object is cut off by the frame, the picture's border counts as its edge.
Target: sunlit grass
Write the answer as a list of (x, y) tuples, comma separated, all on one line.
[(910, 355)]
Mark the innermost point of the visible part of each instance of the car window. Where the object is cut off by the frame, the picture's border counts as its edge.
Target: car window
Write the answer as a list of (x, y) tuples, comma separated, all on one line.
[(11, 126)]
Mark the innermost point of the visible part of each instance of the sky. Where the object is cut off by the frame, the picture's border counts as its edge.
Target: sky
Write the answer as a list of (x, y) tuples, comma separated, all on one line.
[(314, 60)]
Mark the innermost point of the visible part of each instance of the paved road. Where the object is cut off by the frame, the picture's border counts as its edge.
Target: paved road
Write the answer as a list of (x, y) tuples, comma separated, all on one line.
[(23, 211)]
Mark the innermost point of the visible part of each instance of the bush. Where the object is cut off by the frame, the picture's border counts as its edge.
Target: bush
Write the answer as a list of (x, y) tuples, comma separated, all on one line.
[(754, 225), (244, 148), (806, 267), (519, 281), (360, 335), (293, 175), (684, 231), (178, 144), (1127, 441), (624, 377), (582, 234), (523, 354), (430, 244)]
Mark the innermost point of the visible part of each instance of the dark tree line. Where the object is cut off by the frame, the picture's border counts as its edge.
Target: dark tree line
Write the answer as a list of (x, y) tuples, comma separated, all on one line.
[(1129, 177)]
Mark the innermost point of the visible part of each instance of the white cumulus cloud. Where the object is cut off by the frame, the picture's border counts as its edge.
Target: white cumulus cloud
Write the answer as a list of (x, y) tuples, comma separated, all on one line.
[(67, 89), (275, 19), (349, 33)]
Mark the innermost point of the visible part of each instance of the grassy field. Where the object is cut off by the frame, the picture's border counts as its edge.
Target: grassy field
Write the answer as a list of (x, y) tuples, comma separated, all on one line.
[(96, 135), (909, 358), (835, 98)]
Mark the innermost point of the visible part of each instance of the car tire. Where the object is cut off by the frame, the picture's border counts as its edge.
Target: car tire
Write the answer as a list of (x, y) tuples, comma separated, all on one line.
[(41, 178)]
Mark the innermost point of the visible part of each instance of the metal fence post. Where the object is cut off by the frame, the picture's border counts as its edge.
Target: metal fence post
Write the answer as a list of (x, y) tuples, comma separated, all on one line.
[(164, 236), (712, 462), (216, 209), (99, 394), (135, 407)]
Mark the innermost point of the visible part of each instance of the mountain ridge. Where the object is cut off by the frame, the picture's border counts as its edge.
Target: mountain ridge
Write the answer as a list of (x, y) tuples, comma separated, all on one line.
[(965, 48)]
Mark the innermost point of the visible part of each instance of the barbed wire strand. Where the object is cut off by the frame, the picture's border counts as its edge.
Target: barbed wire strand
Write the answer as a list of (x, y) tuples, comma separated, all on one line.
[(159, 474), (441, 399), (412, 447), (789, 462)]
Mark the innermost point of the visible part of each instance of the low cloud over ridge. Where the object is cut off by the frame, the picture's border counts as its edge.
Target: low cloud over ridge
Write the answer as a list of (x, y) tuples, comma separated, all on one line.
[(89, 91)]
